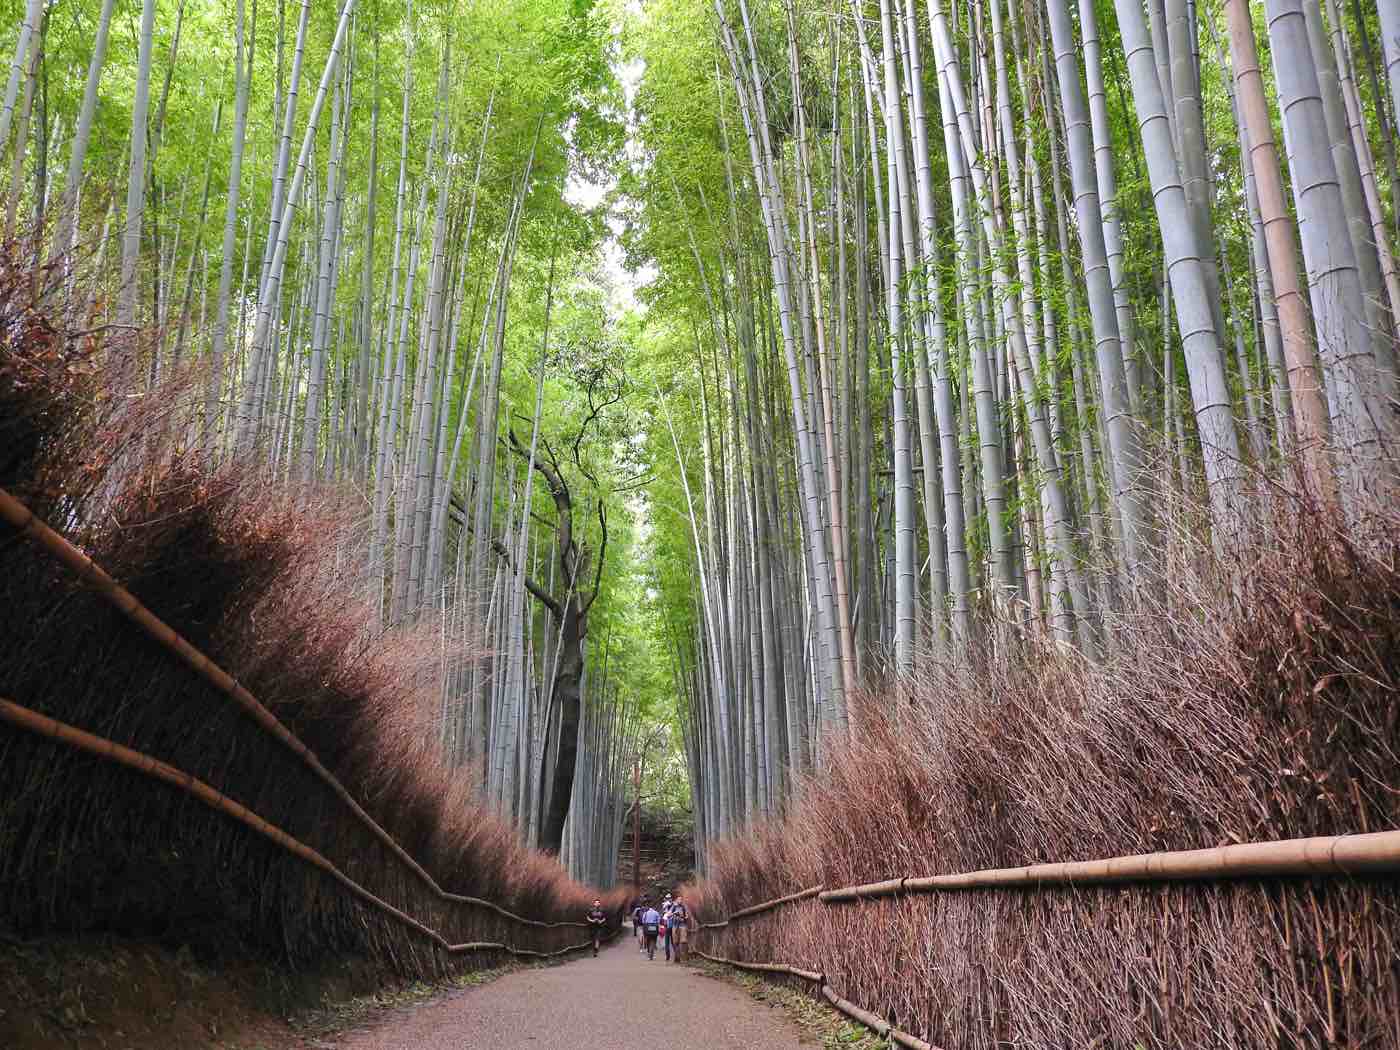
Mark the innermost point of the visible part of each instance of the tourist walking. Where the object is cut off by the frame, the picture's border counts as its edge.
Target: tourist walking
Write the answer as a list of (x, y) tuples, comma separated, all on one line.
[(597, 922), (666, 905), (679, 925), (651, 928)]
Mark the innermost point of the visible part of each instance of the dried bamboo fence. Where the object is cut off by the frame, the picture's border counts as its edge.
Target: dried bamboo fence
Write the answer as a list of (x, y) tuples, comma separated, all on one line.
[(80, 565), (1329, 855), (81, 740)]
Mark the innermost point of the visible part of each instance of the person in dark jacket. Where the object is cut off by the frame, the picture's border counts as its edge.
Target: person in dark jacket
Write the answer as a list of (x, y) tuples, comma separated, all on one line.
[(651, 927), (597, 922)]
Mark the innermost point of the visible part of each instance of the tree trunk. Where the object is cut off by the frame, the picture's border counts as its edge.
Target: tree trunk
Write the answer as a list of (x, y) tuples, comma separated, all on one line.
[(1333, 279), (1210, 392)]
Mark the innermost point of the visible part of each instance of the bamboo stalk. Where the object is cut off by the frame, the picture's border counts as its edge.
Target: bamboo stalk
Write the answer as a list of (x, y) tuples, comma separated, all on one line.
[(765, 906), (888, 888), (24, 520), (1321, 855), (783, 968), (78, 739), (1377, 851), (875, 1024), (1373, 852), (755, 909)]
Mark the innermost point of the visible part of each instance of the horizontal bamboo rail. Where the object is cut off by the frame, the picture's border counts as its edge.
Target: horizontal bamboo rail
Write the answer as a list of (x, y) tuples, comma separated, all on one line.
[(879, 1025), (791, 898), (873, 889), (758, 909), (781, 968), (81, 740), (1356, 854), (876, 1024), (1361, 854), (92, 574)]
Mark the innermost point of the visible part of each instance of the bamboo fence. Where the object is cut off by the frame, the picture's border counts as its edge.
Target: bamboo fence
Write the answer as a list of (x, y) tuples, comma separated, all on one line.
[(81, 740), (93, 575), (1330, 855)]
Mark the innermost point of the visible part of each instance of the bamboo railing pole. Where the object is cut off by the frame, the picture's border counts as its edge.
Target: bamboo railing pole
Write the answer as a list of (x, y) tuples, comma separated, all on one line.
[(878, 1025), (755, 909), (81, 740), (782, 968), (1358, 854), (1355, 854), (92, 574), (888, 888), (913, 1042), (1320, 855)]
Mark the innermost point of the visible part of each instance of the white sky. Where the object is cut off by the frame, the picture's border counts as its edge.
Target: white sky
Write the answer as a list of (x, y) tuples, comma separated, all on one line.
[(583, 193)]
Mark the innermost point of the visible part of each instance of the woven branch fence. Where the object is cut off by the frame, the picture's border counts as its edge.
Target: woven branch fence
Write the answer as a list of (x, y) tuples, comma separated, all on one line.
[(71, 736), (1327, 856), (166, 638)]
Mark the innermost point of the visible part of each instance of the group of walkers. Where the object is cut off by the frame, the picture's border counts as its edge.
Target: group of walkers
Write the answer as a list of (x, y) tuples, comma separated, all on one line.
[(670, 926)]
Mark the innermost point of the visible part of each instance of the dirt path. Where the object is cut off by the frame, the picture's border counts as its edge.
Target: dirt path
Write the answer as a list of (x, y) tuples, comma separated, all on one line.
[(618, 1001)]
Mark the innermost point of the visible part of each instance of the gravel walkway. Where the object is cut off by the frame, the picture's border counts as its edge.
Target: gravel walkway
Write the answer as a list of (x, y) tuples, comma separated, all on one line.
[(618, 1001)]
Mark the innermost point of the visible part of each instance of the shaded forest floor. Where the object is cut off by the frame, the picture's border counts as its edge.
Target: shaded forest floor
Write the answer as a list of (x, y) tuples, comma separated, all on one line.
[(119, 994)]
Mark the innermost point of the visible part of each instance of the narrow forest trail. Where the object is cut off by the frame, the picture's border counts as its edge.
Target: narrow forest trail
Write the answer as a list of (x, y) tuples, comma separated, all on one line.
[(618, 1001)]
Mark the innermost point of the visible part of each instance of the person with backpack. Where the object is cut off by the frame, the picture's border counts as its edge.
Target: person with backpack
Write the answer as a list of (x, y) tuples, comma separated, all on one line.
[(679, 926), (651, 929), (637, 922), (665, 935), (597, 922)]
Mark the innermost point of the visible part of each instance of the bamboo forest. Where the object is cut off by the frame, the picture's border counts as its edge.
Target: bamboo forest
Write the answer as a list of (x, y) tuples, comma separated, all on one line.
[(916, 480)]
